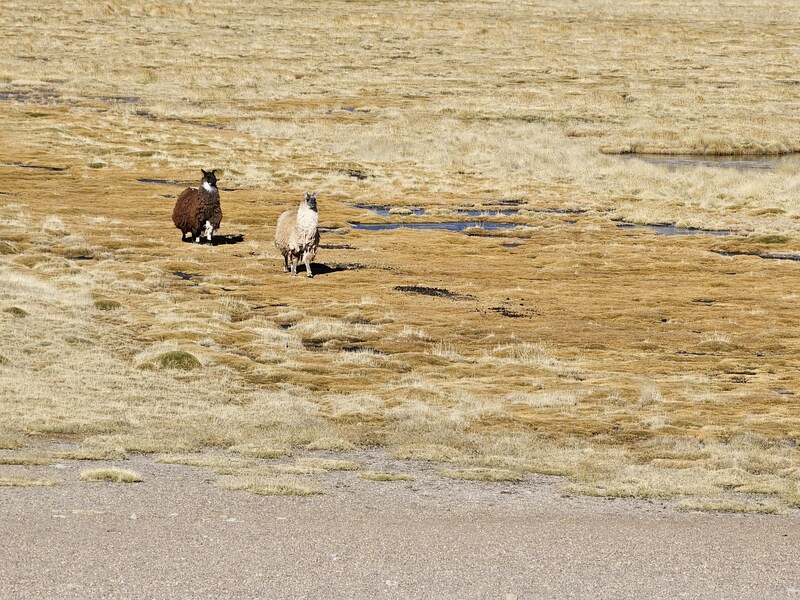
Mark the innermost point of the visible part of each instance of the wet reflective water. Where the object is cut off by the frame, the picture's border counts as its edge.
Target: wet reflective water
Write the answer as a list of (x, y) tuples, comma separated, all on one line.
[(446, 225), (385, 211), (673, 230), (674, 162)]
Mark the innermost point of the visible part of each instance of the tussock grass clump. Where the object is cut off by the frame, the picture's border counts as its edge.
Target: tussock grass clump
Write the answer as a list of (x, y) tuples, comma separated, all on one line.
[(111, 474), (25, 482), (482, 474), (212, 461), (104, 304), (179, 360), (11, 441), (15, 311), (272, 486), (89, 454), (329, 464), (268, 470), (380, 476), (3, 361), (544, 399), (650, 395), (767, 239), (29, 459), (259, 451), (7, 248)]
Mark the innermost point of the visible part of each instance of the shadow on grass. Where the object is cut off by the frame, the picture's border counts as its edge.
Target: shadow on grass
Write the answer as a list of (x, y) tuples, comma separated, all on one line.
[(323, 269), (219, 240)]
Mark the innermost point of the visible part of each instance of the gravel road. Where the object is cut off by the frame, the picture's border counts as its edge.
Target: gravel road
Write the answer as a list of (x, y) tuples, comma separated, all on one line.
[(177, 535)]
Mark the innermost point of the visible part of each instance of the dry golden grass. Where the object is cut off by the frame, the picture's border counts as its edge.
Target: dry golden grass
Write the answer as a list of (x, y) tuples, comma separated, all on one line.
[(631, 363), (110, 474), (482, 474), (327, 464), (32, 459), (272, 486)]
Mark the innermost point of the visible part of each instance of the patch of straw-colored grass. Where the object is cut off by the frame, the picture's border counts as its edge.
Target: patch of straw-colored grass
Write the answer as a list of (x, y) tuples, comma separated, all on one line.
[(258, 451), (727, 505), (269, 470), (110, 474), (211, 461), (329, 464), (88, 454), (25, 458), (272, 486), (482, 474)]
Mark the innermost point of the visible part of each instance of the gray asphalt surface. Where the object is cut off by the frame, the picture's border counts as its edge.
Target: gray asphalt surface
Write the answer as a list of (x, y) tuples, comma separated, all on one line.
[(177, 535)]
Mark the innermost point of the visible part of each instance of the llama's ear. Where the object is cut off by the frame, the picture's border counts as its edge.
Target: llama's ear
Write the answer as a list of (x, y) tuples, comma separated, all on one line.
[(204, 173), (314, 195), (214, 172)]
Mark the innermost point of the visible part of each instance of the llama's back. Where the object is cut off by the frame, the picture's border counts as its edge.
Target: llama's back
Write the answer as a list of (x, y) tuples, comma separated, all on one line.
[(182, 213), (284, 230)]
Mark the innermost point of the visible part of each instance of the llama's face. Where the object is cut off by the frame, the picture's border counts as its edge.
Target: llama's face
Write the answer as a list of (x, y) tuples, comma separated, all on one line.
[(311, 200), (210, 178)]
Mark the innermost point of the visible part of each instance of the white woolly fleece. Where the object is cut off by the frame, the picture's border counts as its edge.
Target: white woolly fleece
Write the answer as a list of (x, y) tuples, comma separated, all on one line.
[(305, 227)]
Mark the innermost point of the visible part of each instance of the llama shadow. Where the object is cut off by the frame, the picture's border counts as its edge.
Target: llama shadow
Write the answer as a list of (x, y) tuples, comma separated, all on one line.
[(323, 269), (218, 240), (224, 240)]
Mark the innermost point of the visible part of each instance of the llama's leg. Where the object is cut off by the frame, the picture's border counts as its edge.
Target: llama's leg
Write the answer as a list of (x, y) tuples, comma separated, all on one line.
[(294, 264), (285, 263), (307, 256), (209, 230)]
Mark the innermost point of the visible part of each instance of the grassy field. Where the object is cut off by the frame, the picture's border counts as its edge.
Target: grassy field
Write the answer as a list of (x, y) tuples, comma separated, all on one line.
[(634, 364)]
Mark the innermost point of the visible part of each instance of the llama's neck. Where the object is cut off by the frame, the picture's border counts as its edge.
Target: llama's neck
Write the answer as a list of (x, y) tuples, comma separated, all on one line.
[(307, 218), (209, 188)]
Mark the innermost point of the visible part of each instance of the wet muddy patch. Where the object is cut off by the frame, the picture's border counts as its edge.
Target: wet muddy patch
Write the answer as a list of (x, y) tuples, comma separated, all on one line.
[(506, 312), (675, 162), (119, 99), (433, 291), (764, 255), (668, 229), (337, 247), (185, 276), (363, 349), (34, 96), (22, 165)]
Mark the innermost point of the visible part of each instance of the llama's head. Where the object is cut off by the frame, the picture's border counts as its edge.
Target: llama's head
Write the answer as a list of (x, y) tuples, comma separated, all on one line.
[(209, 178), (311, 200)]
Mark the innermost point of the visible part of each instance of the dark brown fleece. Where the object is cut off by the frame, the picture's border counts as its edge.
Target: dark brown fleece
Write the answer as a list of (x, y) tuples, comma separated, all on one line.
[(194, 207)]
